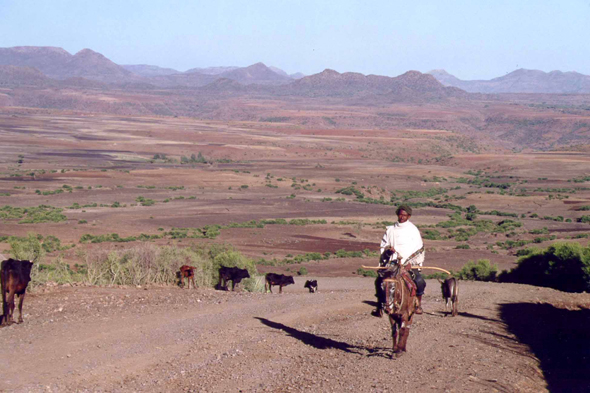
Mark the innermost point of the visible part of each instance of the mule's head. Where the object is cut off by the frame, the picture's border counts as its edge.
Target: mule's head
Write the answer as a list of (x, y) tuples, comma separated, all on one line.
[(391, 305)]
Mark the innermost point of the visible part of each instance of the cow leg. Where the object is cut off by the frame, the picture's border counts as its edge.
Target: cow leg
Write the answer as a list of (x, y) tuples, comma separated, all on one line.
[(9, 314), (281, 288), (233, 285), (21, 299), (4, 306)]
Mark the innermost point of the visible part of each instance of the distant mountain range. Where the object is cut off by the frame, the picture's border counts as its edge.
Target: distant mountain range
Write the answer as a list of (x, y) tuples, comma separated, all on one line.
[(55, 67), (521, 81), (56, 63)]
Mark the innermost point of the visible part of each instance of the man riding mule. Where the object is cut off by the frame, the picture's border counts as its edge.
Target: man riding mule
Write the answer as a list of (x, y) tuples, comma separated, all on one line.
[(402, 244)]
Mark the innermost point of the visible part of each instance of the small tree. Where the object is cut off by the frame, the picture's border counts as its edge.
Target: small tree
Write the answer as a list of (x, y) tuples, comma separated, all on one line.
[(482, 270)]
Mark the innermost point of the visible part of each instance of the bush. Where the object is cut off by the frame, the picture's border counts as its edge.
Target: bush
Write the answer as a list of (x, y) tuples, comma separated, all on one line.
[(302, 271), (366, 273), (28, 248), (482, 270), (563, 266)]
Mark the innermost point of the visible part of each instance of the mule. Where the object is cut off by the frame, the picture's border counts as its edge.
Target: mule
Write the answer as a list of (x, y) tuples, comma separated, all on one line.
[(450, 293), (400, 305)]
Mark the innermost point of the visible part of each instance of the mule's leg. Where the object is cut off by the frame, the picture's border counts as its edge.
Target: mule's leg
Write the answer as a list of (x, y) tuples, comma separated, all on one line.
[(447, 304), (455, 310), (404, 332), (393, 323), (21, 299)]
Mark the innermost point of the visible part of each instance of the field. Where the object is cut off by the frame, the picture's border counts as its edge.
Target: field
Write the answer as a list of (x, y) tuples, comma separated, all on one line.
[(289, 194)]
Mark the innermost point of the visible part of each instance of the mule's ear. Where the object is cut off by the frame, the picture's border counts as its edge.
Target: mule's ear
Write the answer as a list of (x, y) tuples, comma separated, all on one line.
[(439, 280)]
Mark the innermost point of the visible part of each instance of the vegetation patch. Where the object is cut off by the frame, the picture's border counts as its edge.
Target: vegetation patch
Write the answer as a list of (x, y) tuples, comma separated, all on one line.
[(562, 266)]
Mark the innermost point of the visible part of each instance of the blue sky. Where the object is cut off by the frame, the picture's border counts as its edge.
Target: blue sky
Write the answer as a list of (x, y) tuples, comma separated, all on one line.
[(470, 39)]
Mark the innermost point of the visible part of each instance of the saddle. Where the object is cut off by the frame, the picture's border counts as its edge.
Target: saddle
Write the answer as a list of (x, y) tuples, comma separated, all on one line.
[(409, 282)]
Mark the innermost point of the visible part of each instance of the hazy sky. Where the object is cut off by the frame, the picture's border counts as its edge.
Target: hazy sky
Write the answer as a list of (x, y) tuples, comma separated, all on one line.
[(470, 39)]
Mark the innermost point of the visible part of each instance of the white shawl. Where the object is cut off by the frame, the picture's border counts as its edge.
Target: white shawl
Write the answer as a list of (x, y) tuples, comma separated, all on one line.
[(406, 241)]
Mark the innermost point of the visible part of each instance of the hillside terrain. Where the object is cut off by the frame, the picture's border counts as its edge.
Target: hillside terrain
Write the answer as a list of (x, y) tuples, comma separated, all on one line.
[(87, 82), (300, 178), (521, 81)]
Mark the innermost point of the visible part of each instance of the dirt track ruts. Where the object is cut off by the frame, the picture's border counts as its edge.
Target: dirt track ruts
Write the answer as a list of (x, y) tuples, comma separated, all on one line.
[(168, 339)]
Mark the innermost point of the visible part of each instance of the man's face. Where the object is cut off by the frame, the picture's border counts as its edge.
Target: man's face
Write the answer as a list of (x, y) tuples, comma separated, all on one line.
[(402, 216)]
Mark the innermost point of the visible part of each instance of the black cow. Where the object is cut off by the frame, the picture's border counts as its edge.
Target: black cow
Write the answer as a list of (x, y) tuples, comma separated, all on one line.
[(277, 279), (312, 285), (233, 274), (14, 277)]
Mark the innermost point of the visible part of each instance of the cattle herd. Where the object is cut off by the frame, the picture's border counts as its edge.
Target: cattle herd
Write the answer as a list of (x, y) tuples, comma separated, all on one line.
[(15, 276)]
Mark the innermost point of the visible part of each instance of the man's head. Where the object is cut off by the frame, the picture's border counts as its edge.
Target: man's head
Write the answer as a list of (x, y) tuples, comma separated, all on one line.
[(404, 212)]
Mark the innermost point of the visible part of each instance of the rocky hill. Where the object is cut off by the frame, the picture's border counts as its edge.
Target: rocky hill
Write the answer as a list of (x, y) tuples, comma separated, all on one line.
[(521, 81), (93, 65), (149, 70), (14, 76), (49, 60), (211, 70), (57, 63), (256, 74), (411, 85)]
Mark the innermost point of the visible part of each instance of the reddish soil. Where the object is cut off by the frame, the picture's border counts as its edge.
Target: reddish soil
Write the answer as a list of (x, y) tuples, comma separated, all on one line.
[(507, 337), (169, 339)]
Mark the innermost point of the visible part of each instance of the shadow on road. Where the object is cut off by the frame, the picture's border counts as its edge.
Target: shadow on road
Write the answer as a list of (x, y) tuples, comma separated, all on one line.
[(311, 339), (559, 338), (469, 315)]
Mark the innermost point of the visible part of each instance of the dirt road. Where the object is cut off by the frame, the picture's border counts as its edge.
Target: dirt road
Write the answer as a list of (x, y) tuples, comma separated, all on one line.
[(169, 339)]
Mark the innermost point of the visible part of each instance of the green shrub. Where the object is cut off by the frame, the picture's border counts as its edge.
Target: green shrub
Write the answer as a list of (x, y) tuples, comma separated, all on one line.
[(302, 271), (463, 247), (482, 270), (366, 273), (431, 234), (563, 266), (28, 248)]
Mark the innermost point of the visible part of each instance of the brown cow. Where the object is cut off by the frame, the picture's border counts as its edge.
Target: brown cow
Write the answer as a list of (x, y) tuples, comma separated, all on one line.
[(14, 277), (450, 292), (187, 272)]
